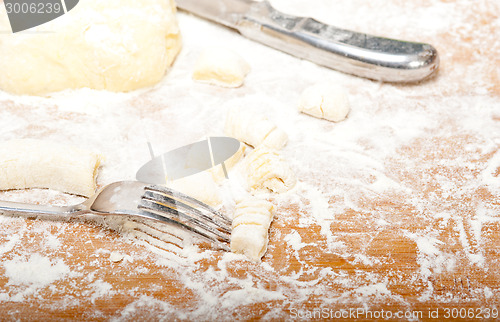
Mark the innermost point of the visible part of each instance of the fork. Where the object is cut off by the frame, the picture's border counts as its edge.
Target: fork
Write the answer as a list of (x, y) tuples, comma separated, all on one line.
[(142, 200)]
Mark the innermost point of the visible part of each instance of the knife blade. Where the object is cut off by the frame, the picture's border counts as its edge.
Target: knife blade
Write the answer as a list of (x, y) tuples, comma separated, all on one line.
[(373, 57)]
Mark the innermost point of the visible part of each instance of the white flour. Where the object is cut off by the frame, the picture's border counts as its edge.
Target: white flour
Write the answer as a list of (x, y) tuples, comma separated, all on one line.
[(31, 274), (414, 165), (37, 271)]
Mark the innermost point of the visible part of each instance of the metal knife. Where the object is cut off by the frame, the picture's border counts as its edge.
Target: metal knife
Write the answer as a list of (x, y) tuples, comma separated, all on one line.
[(363, 55)]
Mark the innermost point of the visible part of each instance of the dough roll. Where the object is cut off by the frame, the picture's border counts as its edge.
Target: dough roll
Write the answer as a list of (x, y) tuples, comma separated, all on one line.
[(30, 163)]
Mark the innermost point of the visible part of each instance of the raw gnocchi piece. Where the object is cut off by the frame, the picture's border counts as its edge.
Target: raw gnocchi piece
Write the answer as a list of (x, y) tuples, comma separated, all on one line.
[(266, 170), (251, 223), (220, 66), (203, 185), (257, 219), (254, 129), (32, 163), (218, 172), (200, 186), (325, 100)]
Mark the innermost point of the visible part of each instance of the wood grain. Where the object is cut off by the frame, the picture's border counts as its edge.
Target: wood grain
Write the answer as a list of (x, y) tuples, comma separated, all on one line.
[(369, 258)]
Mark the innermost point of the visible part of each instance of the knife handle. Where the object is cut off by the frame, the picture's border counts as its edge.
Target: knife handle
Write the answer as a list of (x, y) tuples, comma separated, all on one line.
[(354, 53)]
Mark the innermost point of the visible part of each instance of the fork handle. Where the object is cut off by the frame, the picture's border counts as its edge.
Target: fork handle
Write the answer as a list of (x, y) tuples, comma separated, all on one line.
[(351, 52), (8, 207)]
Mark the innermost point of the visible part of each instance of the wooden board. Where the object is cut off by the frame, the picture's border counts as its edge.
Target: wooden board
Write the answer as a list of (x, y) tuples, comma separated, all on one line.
[(397, 213)]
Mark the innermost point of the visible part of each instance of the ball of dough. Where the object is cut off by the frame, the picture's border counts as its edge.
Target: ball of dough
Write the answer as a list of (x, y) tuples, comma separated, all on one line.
[(220, 66), (328, 101), (116, 45)]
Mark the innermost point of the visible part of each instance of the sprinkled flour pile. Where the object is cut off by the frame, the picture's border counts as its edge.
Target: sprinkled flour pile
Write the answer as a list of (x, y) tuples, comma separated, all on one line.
[(396, 207)]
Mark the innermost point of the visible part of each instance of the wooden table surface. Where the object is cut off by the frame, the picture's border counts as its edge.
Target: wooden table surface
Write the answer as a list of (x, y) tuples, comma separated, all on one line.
[(402, 227)]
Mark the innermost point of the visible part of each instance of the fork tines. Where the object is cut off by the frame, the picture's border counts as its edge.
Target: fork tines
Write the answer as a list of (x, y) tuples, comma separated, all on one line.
[(170, 206)]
